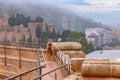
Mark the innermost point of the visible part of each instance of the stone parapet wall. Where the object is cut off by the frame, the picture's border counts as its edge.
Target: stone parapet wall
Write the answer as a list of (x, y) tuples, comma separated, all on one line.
[(13, 61), (14, 51)]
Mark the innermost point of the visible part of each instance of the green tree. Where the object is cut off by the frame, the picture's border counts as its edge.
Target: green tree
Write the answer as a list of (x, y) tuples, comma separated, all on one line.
[(58, 34), (44, 38), (65, 34), (39, 19), (90, 48), (18, 20), (11, 21), (80, 37), (38, 31), (51, 35), (47, 30), (54, 30), (28, 19)]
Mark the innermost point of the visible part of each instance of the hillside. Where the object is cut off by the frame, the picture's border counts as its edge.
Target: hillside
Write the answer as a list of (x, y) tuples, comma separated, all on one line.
[(63, 19)]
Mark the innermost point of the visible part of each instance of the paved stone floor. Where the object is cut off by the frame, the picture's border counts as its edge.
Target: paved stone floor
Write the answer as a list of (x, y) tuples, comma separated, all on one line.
[(1, 79), (50, 66), (51, 76)]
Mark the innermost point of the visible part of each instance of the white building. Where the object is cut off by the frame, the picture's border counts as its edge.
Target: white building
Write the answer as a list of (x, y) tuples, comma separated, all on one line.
[(100, 38)]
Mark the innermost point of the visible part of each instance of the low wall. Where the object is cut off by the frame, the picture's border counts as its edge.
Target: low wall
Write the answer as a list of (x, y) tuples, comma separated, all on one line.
[(101, 68), (13, 61), (14, 51)]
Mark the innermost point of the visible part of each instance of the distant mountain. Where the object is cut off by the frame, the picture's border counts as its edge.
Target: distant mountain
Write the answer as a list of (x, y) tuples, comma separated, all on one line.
[(115, 25), (63, 19)]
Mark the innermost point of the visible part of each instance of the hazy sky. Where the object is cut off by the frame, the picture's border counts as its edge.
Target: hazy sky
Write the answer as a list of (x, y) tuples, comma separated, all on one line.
[(106, 11)]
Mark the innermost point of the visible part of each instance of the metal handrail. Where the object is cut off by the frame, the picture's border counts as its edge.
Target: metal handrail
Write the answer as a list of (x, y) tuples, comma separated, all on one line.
[(49, 72), (18, 43), (66, 65), (38, 62), (33, 69), (5, 54), (26, 72), (67, 60), (43, 55), (63, 65), (62, 53)]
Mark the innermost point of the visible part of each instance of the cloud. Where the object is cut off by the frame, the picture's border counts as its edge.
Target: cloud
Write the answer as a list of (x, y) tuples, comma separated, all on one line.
[(75, 2), (96, 6), (29, 1), (102, 2), (85, 6)]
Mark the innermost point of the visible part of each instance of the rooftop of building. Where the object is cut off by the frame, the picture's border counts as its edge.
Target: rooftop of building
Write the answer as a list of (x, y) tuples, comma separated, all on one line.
[(109, 54)]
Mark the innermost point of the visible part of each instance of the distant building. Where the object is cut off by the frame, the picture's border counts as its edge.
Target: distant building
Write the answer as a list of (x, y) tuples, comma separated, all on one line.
[(32, 26), (93, 39), (43, 26), (88, 31), (116, 33), (51, 27), (111, 48), (17, 32), (97, 35), (109, 36)]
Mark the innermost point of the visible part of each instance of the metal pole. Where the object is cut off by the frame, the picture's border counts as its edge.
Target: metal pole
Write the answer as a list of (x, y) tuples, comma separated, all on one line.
[(20, 77), (5, 48), (38, 63), (19, 56), (5, 54), (35, 78), (26, 72), (69, 69), (55, 75), (32, 46)]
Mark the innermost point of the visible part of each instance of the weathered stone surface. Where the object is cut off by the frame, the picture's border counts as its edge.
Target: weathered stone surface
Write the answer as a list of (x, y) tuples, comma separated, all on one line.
[(28, 61), (72, 77)]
